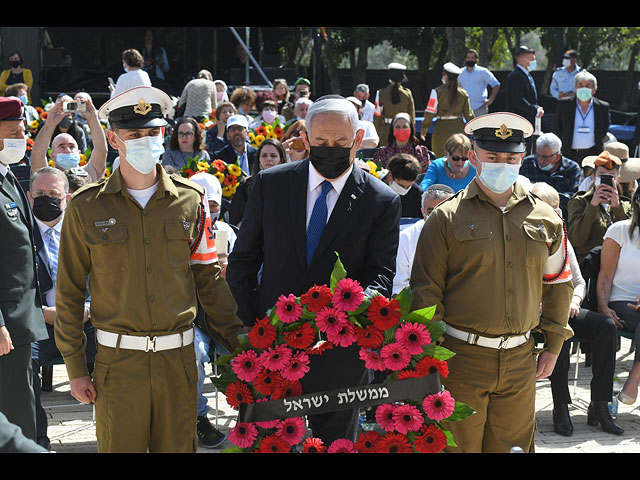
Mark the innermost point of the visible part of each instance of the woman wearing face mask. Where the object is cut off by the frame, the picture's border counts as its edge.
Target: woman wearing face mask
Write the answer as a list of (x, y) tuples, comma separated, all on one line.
[(403, 171), (16, 74), (270, 154), (267, 106), (133, 76), (402, 139), (450, 104), (454, 169)]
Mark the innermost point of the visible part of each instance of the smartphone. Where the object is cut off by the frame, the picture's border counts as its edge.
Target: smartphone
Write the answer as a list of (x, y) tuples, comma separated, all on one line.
[(607, 179), (221, 238), (74, 107), (111, 82), (298, 144)]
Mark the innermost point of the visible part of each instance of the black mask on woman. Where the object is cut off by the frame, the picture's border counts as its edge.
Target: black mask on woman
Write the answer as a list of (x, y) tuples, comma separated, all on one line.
[(15, 63), (330, 162), (46, 208)]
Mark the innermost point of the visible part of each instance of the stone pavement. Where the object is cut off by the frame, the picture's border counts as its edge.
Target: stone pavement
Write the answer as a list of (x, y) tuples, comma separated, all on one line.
[(71, 427)]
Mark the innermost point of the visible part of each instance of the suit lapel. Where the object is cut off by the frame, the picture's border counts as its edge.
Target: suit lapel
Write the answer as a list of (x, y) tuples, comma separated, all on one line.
[(42, 252), (17, 195), (298, 205)]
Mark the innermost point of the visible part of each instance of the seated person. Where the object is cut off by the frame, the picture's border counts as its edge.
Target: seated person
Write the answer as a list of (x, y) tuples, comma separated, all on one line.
[(431, 198), (454, 169), (592, 212), (371, 138), (65, 151), (186, 141), (238, 151), (403, 169), (596, 328), (216, 136), (402, 139)]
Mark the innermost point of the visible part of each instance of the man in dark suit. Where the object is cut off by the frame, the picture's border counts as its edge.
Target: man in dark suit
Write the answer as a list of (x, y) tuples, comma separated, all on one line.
[(21, 319), (238, 150), (298, 215), (521, 93), (582, 122)]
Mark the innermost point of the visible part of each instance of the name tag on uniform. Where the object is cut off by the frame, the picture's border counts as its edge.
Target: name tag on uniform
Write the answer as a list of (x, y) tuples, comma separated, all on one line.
[(106, 223)]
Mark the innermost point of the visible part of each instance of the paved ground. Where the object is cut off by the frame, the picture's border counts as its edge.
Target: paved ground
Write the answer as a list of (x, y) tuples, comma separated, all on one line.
[(71, 427)]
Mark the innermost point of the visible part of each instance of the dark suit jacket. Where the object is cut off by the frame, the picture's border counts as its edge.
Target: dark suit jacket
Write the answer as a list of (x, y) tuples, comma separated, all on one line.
[(564, 122), (363, 229), (520, 97), (20, 305), (229, 155)]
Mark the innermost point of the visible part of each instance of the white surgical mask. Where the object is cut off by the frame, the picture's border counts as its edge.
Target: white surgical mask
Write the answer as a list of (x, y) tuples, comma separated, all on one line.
[(13, 151), (566, 62), (399, 189), (143, 153), (584, 94), (499, 177)]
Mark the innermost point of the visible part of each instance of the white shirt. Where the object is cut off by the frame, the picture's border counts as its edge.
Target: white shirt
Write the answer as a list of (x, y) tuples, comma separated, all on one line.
[(370, 131), (626, 281), (51, 294), (133, 78), (475, 83), (143, 196), (367, 111), (314, 190), (3, 169), (406, 251), (583, 128)]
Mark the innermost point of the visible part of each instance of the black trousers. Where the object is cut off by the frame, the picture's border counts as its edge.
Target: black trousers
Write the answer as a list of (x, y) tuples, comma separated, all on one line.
[(631, 320), (17, 400), (600, 331)]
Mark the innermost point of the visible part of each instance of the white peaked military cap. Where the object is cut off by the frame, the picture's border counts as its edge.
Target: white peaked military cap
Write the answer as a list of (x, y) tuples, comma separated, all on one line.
[(396, 66), (138, 107), (499, 132), (211, 185), (452, 68)]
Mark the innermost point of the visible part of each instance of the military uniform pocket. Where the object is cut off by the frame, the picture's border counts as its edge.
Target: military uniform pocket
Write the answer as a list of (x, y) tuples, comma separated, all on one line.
[(539, 240), (476, 242), (179, 234), (109, 248)]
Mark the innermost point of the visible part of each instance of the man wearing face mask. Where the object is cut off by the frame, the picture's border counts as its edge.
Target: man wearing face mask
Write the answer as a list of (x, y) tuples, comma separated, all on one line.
[(481, 259), (299, 214), (475, 79), (142, 237), (65, 151), (21, 318), (403, 171), (582, 122), (562, 81)]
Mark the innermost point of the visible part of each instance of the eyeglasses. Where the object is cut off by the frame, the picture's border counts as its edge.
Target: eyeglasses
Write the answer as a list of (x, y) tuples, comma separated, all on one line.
[(547, 157), (459, 159), (185, 134)]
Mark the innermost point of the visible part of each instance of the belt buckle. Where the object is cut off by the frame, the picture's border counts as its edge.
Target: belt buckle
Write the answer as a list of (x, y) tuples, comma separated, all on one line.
[(151, 344), (503, 342)]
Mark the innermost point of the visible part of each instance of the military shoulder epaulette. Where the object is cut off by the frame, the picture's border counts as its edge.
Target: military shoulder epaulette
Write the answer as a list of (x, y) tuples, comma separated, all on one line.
[(185, 182), (89, 186)]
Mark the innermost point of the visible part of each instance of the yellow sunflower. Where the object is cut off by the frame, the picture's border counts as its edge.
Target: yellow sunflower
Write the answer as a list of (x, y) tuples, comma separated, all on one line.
[(235, 170)]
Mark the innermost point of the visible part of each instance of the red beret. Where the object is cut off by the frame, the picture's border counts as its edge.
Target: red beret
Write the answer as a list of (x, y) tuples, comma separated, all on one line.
[(10, 109)]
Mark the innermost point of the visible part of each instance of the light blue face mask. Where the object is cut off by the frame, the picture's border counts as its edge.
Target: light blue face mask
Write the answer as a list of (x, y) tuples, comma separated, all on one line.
[(143, 153), (68, 160), (584, 94), (24, 99), (532, 65), (499, 177), (545, 168)]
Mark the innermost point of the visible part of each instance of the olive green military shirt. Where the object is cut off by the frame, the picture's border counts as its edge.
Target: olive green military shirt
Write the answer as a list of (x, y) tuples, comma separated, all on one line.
[(482, 268), (390, 110), (588, 224), (462, 107), (141, 277)]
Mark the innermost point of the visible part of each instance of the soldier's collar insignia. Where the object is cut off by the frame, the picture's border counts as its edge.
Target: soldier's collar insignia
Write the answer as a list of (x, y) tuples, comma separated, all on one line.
[(503, 132), (142, 108)]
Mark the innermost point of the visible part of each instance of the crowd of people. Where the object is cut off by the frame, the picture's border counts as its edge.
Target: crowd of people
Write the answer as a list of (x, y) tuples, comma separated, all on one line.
[(136, 154)]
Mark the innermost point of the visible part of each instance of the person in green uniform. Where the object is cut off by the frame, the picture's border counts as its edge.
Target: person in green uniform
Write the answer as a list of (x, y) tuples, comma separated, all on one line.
[(481, 259), (143, 238), (391, 100), (450, 104)]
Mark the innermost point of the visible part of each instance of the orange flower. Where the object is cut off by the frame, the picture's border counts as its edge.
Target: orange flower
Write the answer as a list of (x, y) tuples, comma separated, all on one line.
[(278, 131), (261, 130), (43, 115), (219, 165), (188, 172), (230, 179)]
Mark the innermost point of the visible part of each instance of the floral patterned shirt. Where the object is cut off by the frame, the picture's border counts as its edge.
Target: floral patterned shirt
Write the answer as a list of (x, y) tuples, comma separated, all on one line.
[(421, 152)]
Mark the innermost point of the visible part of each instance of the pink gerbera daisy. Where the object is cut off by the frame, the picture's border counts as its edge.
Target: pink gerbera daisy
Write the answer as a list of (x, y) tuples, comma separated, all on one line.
[(297, 367), (344, 336), (439, 405), (342, 445), (287, 309), (413, 336), (395, 356), (347, 295), (292, 430), (331, 319), (243, 435), (384, 417), (407, 418), (372, 360), (246, 365), (275, 358)]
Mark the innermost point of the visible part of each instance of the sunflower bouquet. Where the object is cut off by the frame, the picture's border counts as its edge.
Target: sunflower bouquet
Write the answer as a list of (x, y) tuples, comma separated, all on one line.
[(229, 174), (264, 374), (264, 131)]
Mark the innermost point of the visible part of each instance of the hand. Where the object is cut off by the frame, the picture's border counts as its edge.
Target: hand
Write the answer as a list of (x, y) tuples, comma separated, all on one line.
[(5, 341), (635, 306), (546, 364), (611, 314), (605, 194), (83, 389), (540, 112), (574, 309), (91, 109), (55, 115), (222, 260)]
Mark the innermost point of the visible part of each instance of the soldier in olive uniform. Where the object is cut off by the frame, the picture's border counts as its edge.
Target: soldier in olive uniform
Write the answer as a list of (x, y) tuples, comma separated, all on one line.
[(392, 100), (480, 259), (143, 238), (450, 104)]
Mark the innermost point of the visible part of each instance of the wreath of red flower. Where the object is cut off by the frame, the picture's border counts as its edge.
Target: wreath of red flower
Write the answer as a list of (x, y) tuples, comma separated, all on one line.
[(275, 356)]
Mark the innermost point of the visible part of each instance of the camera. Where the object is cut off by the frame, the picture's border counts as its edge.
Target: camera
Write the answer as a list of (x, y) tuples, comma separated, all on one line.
[(74, 107)]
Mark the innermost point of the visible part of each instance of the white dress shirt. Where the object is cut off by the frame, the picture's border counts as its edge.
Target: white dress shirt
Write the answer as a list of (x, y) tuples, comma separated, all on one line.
[(406, 251), (314, 189), (51, 294)]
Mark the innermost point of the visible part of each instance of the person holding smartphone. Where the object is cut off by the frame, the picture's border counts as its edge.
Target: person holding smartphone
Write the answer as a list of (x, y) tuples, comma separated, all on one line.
[(593, 211)]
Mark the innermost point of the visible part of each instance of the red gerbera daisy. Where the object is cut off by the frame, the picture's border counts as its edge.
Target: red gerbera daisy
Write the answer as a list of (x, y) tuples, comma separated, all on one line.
[(237, 393), (367, 442), (384, 313), (429, 365), (344, 336), (313, 445), (432, 440), (263, 334), (319, 348), (288, 309), (316, 298), (384, 417), (404, 374), (395, 356), (341, 445), (297, 367), (348, 295), (369, 337), (292, 430), (301, 337), (286, 388), (331, 319), (394, 443), (276, 358), (413, 336), (273, 444), (266, 382)]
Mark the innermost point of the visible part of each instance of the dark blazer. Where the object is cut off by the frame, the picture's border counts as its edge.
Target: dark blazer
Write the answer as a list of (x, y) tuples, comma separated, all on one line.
[(520, 96), (564, 122), (229, 155), (20, 304)]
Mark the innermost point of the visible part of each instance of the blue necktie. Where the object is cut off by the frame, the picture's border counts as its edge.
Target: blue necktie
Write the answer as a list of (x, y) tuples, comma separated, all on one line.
[(318, 221), (53, 253)]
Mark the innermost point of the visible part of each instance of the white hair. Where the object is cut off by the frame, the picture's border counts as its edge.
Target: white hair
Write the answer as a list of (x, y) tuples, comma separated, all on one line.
[(551, 140), (333, 104), (583, 75)]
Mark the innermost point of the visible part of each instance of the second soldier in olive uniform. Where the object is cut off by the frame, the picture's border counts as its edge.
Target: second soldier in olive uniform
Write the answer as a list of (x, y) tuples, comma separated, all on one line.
[(392, 100), (480, 260), (141, 236)]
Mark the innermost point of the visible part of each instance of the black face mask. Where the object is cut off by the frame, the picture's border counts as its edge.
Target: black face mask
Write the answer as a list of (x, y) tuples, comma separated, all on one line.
[(470, 63), (15, 63), (330, 162), (46, 208)]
